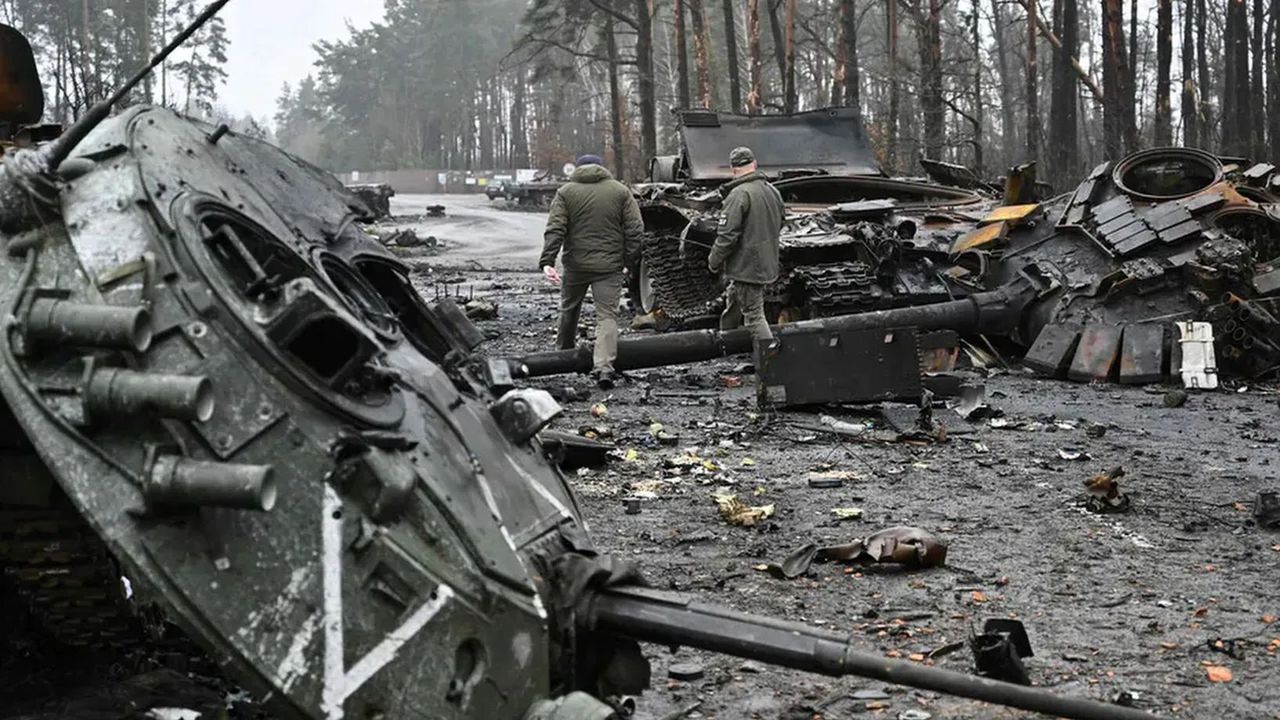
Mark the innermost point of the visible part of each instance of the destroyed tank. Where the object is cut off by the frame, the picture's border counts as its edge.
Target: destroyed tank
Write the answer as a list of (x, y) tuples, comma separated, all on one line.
[(1163, 249), (879, 251), (307, 467)]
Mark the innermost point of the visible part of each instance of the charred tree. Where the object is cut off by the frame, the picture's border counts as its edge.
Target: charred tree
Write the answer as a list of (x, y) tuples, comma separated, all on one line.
[(1064, 142), (1164, 69), (790, 93), (978, 117), (1190, 111), (682, 55), (755, 95), (701, 52), (731, 53), (1033, 86)]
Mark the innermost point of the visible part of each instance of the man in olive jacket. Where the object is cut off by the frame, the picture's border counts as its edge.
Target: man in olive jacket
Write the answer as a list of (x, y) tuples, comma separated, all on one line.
[(596, 228), (746, 249)]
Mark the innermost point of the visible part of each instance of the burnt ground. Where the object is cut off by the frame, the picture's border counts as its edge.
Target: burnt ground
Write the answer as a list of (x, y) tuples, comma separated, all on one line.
[(1139, 604)]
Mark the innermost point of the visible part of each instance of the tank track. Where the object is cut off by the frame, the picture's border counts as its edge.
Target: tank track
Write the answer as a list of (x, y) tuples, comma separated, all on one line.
[(682, 285), (66, 577), (832, 287)]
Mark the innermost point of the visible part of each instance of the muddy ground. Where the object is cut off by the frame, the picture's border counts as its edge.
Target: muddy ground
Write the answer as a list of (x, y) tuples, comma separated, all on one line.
[(1142, 604)]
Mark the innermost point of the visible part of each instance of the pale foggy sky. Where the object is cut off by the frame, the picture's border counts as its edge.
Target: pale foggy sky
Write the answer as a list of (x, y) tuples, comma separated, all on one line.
[(271, 44)]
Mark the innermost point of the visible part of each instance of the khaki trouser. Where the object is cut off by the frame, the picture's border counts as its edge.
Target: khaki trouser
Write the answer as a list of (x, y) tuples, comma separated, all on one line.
[(606, 291), (746, 307)]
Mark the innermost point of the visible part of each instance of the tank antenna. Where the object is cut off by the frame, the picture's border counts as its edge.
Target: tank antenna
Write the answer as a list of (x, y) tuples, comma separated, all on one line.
[(58, 150)]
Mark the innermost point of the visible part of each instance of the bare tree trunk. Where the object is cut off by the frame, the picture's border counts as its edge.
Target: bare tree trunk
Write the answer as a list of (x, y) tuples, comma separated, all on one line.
[(1236, 102), (755, 96), (852, 74), (1164, 70), (930, 41), (1064, 142), (519, 133), (645, 80), (1259, 118), (701, 52), (790, 102), (978, 105), (1033, 87), (615, 98), (779, 49), (1205, 121), (1273, 79), (1190, 113), (891, 143), (1008, 133), (842, 52), (1115, 77), (682, 55), (731, 52)]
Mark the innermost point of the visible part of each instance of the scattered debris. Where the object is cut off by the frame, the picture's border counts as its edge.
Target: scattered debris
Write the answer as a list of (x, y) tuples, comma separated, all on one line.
[(376, 197), (998, 651), (736, 512), (435, 211), (1175, 398), (631, 505), (830, 478), (1218, 673), (1104, 492), (685, 672), (1095, 430), (847, 513), (600, 411), (1072, 454), (479, 309), (907, 546), (1266, 510), (659, 433), (570, 451)]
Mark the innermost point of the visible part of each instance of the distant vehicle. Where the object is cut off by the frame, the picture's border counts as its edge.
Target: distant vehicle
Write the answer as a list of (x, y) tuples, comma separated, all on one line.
[(536, 193)]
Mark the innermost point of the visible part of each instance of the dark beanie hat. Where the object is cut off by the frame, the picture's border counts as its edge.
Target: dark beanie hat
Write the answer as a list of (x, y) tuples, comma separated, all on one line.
[(589, 160)]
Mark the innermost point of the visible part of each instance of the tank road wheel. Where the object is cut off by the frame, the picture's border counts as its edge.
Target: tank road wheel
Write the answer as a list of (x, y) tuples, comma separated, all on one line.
[(644, 288)]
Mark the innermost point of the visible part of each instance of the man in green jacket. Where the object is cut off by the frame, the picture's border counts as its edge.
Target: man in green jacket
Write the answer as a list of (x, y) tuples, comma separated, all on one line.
[(746, 249), (595, 227)]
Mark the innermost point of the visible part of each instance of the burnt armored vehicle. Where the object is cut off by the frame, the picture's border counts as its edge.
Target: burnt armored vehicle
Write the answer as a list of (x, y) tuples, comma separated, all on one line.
[(305, 465), (1152, 262), (878, 251)]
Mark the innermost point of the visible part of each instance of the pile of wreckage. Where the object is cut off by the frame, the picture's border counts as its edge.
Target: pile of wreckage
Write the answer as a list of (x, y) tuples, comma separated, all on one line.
[(1158, 266)]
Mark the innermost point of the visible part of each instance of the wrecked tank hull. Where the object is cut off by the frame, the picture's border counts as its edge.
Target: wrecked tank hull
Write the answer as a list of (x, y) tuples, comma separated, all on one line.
[(878, 252), (1160, 237), (239, 391)]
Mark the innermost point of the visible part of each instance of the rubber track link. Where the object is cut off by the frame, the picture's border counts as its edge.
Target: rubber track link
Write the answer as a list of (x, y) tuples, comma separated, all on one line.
[(682, 286)]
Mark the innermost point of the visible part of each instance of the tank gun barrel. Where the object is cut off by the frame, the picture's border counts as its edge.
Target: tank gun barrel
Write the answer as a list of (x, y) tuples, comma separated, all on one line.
[(986, 312), (650, 616), (60, 149)]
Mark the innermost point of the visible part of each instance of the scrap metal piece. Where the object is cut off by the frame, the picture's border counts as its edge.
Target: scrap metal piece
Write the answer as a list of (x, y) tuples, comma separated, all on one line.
[(907, 546), (1104, 492), (1054, 348), (1198, 367), (1266, 510), (522, 413), (817, 366), (1096, 354), (998, 651), (1142, 354), (1012, 214), (982, 237)]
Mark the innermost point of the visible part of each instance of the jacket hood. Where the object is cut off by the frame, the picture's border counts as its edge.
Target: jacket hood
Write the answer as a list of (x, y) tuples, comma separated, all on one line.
[(749, 177), (591, 174)]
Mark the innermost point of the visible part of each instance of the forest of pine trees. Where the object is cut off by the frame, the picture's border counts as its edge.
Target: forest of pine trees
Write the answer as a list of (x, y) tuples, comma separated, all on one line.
[(490, 84), (86, 48), (987, 83)]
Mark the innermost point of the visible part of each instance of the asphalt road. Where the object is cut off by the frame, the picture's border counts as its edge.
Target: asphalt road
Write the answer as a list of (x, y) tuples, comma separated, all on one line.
[(475, 233)]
